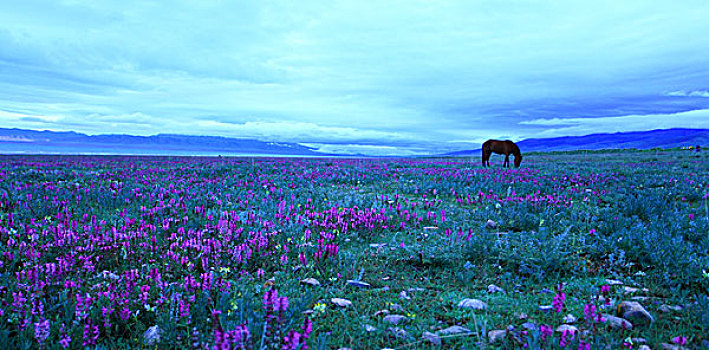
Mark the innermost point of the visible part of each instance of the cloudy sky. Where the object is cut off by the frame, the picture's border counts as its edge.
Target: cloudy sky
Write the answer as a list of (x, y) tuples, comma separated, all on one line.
[(373, 76)]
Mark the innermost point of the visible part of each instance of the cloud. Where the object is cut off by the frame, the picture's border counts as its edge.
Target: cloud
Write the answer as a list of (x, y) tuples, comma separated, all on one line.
[(697, 93)]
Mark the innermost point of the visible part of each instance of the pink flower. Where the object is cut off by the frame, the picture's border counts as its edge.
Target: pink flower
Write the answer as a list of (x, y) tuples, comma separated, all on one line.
[(679, 340)]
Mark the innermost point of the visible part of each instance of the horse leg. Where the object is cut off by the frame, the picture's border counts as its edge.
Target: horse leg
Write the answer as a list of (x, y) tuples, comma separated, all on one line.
[(507, 161)]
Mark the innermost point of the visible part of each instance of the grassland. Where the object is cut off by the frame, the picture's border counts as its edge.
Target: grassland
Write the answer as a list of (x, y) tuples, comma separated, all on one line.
[(160, 252)]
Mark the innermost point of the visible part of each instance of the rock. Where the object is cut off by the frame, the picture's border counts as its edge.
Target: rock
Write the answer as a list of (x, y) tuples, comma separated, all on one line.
[(567, 328), (496, 336), (521, 315), (633, 311), (490, 224), (377, 245), (639, 340), (639, 298), (417, 289), (381, 312), (545, 308), (108, 274), (432, 338), (369, 328), (396, 307), (453, 330), (474, 304), (358, 284), (644, 347), (617, 322), (530, 326), (569, 319), (310, 282), (632, 290), (398, 332), (395, 319), (430, 228), (611, 282), (670, 308), (152, 336), (666, 346), (341, 302), (494, 289), (404, 296)]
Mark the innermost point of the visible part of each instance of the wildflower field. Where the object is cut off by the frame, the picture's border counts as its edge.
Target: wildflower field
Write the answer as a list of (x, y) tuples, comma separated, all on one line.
[(572, 250)]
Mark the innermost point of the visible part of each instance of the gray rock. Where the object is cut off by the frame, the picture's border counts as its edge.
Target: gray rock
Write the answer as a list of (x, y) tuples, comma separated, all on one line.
[(152, 336), (403, 295), (310, 282), (545, 308), (358, 284), (494, 289), (617, 322), (644, 347), (398, 332), (530, 326), (341, 302), (395, 319), (633, 311), (432, 338), (611, 282), (568, 328), (490, 224), (666, 346), (569, 319), (496, 336), (474, 304), (369, 328), (670, 308), (453, 330)]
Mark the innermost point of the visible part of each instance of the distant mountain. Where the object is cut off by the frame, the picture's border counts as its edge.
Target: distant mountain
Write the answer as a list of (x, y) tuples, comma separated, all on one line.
[(666, 138), (51, 142)]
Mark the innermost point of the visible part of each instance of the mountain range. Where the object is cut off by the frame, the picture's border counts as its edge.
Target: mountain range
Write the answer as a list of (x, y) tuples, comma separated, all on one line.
[(19, 141)]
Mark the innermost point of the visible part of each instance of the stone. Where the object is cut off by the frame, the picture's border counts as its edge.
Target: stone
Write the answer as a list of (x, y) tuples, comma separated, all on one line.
[(569, 319), (494, 289), (490, 224), (395, 319), (152, 336), (310, 282), (611, 282), (369, 328), (396, 307), (453, 330), (341, 302), (567, 328), (633, 311), (530, 326), (496, 336), (417, 289), (633, 290), (670, 308), (432, 338), (666, 346), (403, 295), (521, 315), (398, 332), (617, 322), (381, 312), (358, 284), (474, 304), (545, 308), (644, 347)]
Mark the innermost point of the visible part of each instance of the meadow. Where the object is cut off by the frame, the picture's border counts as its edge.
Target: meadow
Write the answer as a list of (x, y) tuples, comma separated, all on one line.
[(573, 250)]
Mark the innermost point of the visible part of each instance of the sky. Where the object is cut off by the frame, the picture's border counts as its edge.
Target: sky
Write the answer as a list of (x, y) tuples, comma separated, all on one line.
[(375, 77)]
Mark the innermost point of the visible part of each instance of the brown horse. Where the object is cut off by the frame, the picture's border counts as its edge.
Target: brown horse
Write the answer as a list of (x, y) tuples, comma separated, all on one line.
[(501, 147)]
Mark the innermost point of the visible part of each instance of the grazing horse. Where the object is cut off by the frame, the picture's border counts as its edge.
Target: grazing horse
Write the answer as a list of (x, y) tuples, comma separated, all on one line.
[(501, 147)]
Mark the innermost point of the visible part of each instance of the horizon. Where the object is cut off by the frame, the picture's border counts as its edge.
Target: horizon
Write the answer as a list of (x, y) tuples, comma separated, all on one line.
[(350, 77)]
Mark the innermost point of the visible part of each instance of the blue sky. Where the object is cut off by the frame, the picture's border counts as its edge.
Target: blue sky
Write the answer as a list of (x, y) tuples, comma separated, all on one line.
[(397, 77)]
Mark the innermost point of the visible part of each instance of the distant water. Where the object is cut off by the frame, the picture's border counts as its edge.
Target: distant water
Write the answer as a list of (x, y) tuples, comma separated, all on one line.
[(66, 149)]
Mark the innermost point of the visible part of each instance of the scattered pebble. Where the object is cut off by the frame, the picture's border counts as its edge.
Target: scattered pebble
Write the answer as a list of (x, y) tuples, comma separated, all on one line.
[(494, 289), (670, 308), (453, 330), (474, 304), (432, 338), (568, 328), (611, 282), (152, 336), (617, 322), (496, 336), (341, 302), (545, 308), (569, 319), (358, 284), (404, 296), (633, 311), (490, 224), (310, 282), (395, 319), (369, 328)]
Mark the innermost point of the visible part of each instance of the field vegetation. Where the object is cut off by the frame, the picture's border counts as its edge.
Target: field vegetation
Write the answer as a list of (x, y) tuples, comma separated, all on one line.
[(573, 250)]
